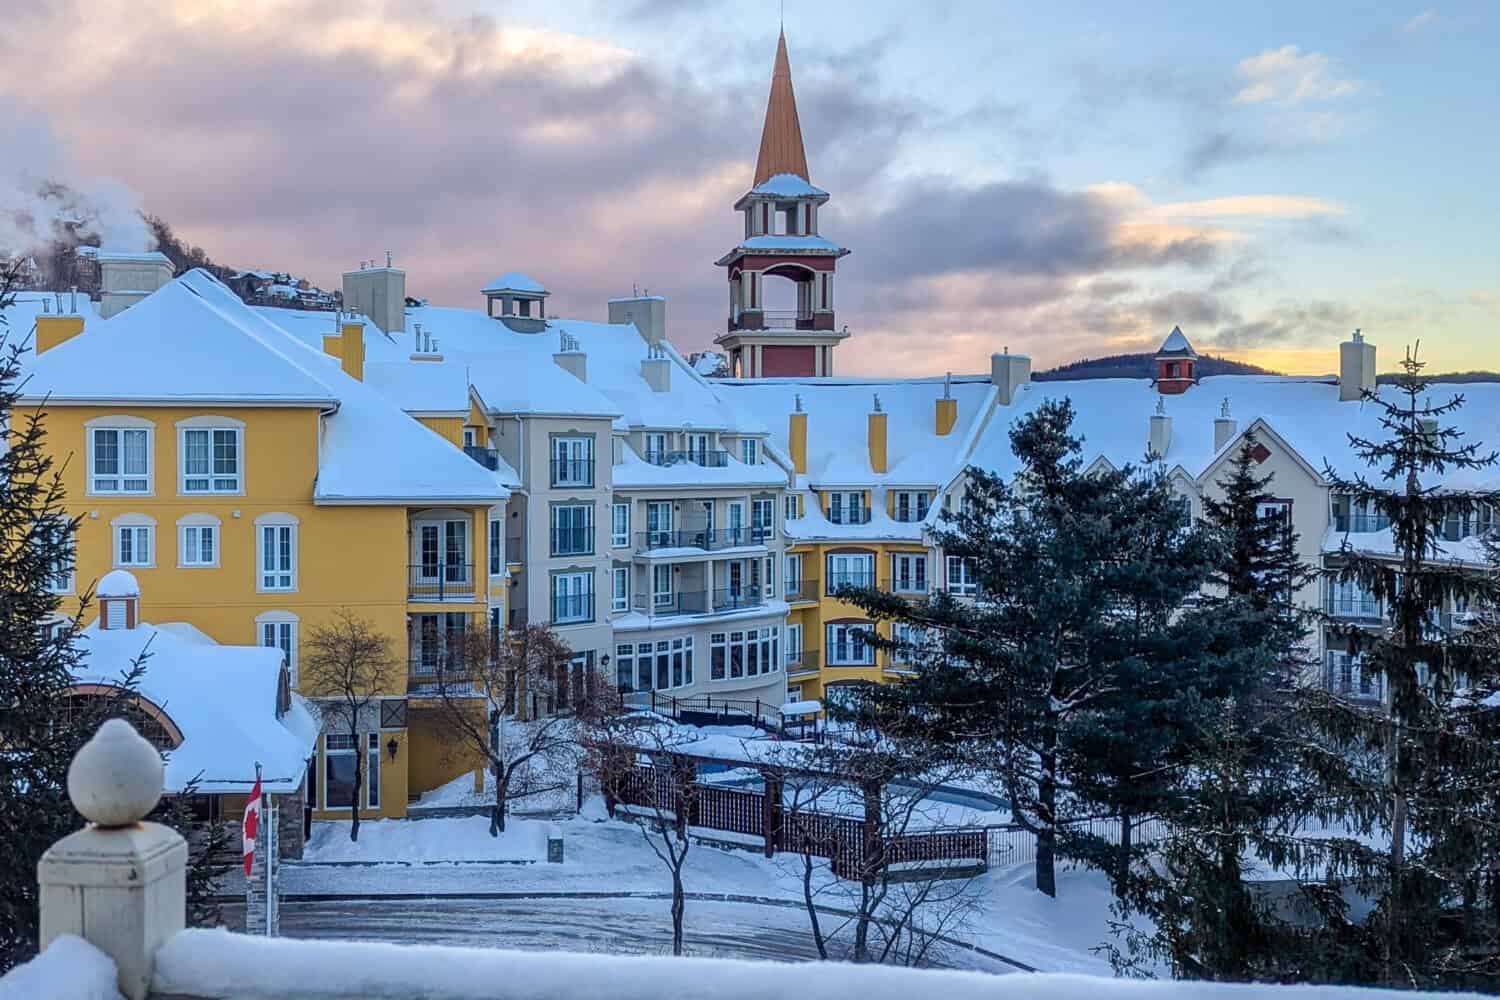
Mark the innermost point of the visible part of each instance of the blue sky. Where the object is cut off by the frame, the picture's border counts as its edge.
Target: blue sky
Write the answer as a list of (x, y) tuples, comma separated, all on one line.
[(1067, 179)]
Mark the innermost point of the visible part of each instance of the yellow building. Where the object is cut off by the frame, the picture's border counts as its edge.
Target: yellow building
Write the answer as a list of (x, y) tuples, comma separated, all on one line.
[(255, 485)]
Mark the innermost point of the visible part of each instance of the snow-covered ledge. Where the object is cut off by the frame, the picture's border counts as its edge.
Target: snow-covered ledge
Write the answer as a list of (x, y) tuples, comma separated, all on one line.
[(119, 883)]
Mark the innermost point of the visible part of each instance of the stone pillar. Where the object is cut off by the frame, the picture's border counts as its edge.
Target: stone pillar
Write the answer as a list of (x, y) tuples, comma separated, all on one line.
[(118, 883)]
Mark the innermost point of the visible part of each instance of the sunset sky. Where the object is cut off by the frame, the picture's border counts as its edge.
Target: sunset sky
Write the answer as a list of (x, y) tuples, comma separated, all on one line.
[(1063, 179)]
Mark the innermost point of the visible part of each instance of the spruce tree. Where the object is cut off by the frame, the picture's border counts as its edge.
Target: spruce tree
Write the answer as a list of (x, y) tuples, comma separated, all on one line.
[(1072, 646), (1415, 775), (37, 653)]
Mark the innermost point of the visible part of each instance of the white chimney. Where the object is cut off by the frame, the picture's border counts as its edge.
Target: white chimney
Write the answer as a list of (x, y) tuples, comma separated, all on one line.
[(1356, 367), (1160, 438), (1009, 372), (647, 312), (379, 293), (1225, 427), (570, 357), (126, 278), (656, 369)]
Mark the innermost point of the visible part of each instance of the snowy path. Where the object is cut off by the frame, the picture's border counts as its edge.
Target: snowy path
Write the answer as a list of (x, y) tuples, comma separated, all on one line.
[(620, 925)]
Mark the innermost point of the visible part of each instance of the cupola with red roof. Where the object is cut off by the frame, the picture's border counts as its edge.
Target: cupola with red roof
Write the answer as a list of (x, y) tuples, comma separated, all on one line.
[(1176, 364)]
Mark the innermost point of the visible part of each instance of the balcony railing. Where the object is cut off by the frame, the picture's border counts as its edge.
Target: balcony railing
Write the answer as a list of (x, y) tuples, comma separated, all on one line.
[(708, 457), (516, 616), (572, 472), (679, 602), (802, 660), (709, 540), (850, 579), (431, 674), (736, 599), (1360, 689), (909, 586), (487, 457), (849, 515), (851, 654), (805, 589), (572, 541), (783, 319), (1353, 607), (440, 582), (515, 550), (571, 609), (1357, 524)]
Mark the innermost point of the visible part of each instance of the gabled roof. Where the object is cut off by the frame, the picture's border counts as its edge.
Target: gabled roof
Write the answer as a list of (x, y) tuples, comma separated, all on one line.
[(781, 150)]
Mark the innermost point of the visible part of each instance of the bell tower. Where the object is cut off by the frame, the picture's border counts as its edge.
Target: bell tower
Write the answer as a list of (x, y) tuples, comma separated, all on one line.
[(782, 253)]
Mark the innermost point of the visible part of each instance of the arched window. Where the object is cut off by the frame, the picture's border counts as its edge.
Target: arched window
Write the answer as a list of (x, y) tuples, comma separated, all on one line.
[(145, 715)]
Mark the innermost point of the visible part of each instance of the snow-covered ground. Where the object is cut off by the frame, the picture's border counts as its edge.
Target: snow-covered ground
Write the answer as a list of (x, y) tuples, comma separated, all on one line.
[(433, 841), (460, 793), (602, 856)]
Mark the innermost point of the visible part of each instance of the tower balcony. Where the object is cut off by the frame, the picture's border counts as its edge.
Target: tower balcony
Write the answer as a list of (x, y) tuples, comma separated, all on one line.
[(782, 319)]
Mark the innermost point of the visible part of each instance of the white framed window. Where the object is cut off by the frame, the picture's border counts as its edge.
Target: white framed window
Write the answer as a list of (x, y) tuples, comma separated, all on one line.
[(853, 569), (910, 505), (572, 598), (621, 596), (768, 577), (909, 572), (847, 646), (656, 447), (276, 552), (911, 639), (572, 529), (372, 771), (573, 461), (471, 437), (497, 547), (211, 455), (791, 506), (619, 525), (198, 541), (134, 540), (60, 579), (734, 523), (961, 577), (697, 447), (762, 519), (278, 630), (793, 574), (119, 455), (750, 451), (661, 585), (793, 645), (847, 507), (338, 771), (659, 523)]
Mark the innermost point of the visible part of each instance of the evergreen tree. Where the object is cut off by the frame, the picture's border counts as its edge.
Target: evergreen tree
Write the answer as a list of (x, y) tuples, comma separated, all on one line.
[(37, 653), (1066, 678), (1416, 775)]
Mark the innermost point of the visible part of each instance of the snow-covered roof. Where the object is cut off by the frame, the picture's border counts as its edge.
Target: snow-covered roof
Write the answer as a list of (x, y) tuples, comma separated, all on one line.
[(790, 244), (118, 583), (515, 281), (1176, 344), (429, 387), (222, 698), (788, 186), (1113, 418), (837, 425), (132, 256), (194, 342), (632, 471)]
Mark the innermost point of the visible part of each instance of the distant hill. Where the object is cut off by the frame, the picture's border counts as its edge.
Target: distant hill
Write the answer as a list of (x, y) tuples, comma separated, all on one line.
[(1141, 366), (1475, 376)]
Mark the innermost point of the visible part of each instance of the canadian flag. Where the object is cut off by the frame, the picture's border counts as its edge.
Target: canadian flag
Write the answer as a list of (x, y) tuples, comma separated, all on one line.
[(251, 825)]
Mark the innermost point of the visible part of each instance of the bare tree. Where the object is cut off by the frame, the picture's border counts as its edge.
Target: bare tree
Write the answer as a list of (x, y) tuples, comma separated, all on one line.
[(345, 664), (511, 702)]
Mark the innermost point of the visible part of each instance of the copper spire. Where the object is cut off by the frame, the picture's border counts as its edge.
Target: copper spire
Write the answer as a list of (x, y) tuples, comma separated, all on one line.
[(781, 149)]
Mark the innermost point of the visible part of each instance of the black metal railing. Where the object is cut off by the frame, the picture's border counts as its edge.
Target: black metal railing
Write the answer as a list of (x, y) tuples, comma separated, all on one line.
[(802, 660), (1353, 607), (516, 616), (849, 515), (707, 539), (851, 654), (440, 582), (679, 602), (487, 457), (853, 578), (1356, 524), (711, 458), (570, 609), (805, 589), (572, 472), (736, 599), (573, 541), (440, 671)]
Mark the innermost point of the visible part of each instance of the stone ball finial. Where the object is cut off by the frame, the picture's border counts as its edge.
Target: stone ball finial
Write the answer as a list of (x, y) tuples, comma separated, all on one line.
[(116, 777)]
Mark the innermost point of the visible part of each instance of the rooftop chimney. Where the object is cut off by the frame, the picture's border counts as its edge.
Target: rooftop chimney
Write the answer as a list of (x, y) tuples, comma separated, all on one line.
[(947, 408), (126, 278), (876, 437), (1224, 427), (379, 293), (119, 595), (656, 369), (1160, 438), (1356, 367), (1009, 372), (796, 437), (52, 330), (424, 345), (570, 356), (647, 312)]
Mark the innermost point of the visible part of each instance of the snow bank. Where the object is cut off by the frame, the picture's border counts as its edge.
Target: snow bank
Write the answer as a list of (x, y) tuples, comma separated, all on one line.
[(205, 962), (70, 967), (427, 841)]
